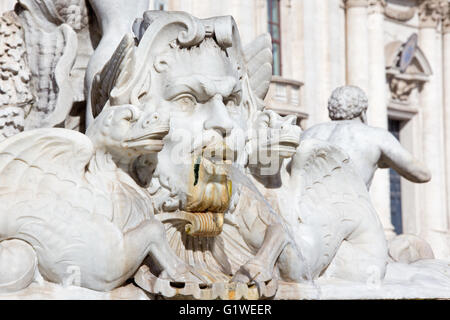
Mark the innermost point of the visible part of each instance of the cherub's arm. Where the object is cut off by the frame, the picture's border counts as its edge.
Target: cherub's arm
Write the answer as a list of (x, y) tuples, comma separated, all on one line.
[(393, 155)]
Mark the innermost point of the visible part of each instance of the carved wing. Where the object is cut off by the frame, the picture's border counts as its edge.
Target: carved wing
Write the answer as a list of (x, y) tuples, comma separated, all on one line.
[(258, 56), (320, 170), (116, 71), (43, 158), (332, 200)]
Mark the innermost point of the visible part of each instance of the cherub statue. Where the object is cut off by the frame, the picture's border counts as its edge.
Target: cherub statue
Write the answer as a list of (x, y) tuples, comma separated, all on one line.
[(325, 212), (368, 147), (67, 201)]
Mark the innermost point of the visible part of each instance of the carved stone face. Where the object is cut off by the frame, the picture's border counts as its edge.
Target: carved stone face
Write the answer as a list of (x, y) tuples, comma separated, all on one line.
[(201, 89), (127, 132)]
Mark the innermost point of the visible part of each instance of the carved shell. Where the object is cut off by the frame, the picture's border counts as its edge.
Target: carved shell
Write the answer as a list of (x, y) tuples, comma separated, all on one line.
[(51, 53), (217, 257), (73, 12), (15, 90)]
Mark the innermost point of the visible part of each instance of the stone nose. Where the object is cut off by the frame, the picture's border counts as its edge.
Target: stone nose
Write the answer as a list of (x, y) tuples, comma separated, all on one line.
[(153, 119), (219, 119)]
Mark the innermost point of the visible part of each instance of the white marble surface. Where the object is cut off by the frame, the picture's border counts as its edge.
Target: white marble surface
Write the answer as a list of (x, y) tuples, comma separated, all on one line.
[(51, 291), (185, 172), (369, 147)]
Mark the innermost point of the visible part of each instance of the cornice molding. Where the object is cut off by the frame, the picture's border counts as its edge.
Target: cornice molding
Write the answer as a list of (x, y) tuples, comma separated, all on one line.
[(445, 15), (400, 15), (377, 6), (356, 3), (430, 13)]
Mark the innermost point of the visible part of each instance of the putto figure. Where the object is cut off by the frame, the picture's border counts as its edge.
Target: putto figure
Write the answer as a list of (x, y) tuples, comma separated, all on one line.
[(368, 147)]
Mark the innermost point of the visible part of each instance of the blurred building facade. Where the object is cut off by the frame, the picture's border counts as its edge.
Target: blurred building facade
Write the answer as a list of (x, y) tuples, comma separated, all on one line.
[(398, 51)]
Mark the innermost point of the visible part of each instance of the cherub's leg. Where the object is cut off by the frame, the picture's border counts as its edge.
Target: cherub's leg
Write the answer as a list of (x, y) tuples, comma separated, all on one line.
[(292, 266), (18, 264), (359, 261), (298, 260), (261, 267), (363, 255)]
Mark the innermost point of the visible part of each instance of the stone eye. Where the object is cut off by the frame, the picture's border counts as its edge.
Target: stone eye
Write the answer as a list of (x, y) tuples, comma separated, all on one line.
[(125, 114), (232, 102), (187, 100)]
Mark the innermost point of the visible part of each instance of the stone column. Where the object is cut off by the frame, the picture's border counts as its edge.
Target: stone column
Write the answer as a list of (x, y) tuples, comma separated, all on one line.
[(377, 112), (316, 60), (357, 44), (322, 65), (433, 220), (446, 90)]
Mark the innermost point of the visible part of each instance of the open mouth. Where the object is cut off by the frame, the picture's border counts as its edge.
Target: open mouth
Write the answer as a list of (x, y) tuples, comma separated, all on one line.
[(286, 145), (215, 168), (219, 153), (150, 141), (216, 157), (289, 141)]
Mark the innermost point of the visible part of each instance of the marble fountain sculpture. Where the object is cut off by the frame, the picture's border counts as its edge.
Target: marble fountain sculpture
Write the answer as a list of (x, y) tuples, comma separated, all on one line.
[(371, 148), (185, 185)]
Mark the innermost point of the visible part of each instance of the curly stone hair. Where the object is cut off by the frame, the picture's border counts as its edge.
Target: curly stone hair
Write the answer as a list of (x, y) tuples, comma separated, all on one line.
[(346, 103)]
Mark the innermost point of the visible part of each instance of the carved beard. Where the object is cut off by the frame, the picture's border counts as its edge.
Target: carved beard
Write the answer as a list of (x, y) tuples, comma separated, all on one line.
[(209, 189)]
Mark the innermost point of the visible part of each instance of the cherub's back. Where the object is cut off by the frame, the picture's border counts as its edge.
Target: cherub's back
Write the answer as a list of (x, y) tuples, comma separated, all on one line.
[(357, 139)]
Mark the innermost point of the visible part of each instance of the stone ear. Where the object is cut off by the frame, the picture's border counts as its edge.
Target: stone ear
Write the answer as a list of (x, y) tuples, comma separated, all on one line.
[(161, 64), (363, 117), (105, 123), (108, 120)]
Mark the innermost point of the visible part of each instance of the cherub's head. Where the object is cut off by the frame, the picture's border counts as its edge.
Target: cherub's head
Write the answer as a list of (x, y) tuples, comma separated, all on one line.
[(128, 131), (347, 103)]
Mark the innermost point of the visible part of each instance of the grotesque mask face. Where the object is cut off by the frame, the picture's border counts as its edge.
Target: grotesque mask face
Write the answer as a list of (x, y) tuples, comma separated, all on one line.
[(201, 89), (128, 131)]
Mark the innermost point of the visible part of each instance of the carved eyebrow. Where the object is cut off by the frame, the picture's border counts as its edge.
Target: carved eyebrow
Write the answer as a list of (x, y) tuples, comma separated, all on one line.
[(174, 89), (202, 87)]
